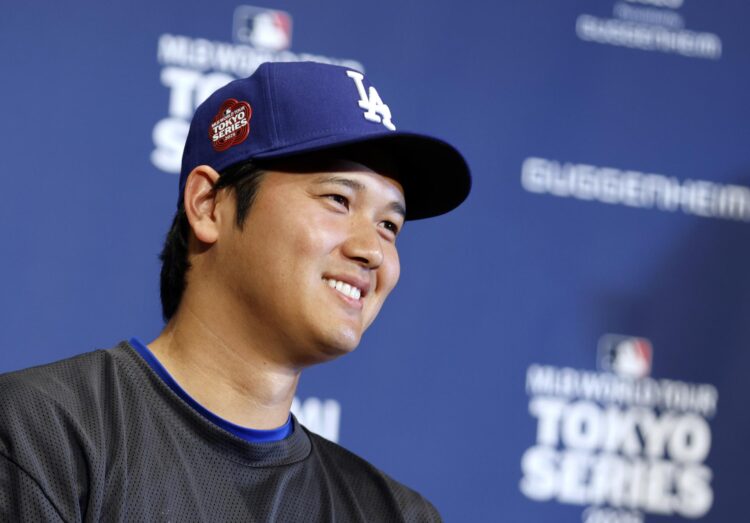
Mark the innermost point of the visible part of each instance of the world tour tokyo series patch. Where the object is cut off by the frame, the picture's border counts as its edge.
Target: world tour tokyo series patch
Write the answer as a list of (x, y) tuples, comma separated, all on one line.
[(230, 125)]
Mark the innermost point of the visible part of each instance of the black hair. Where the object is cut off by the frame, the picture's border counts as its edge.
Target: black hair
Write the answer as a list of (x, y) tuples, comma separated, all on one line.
[(243, 179)]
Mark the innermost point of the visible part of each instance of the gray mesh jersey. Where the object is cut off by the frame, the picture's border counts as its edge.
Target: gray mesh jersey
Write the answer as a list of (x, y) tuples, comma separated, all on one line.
[(100, 437)]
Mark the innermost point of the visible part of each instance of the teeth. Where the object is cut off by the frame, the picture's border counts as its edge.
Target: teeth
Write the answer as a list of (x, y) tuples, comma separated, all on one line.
[(344, 288)]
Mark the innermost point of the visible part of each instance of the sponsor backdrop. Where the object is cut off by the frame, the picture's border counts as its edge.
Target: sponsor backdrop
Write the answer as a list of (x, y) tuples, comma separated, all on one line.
[(571, 345)]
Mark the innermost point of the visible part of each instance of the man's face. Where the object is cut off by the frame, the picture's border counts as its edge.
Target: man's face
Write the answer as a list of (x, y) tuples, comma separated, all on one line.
[(315, 259)]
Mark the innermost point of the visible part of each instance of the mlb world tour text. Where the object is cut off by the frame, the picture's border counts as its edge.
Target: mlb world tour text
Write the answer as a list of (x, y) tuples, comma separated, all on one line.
[(629, 444)]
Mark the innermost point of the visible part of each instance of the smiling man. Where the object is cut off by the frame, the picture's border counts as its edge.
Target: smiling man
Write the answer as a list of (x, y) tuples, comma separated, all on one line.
[(295, 184)]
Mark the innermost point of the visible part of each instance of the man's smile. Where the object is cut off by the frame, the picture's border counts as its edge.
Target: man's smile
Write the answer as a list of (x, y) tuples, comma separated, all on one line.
[(350, 289)]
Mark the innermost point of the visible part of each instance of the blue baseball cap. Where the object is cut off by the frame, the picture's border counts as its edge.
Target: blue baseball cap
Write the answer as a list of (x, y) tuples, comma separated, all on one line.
[(287, 109)]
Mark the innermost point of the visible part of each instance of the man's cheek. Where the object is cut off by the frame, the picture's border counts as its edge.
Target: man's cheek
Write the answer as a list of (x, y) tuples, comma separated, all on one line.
[(393, 274)]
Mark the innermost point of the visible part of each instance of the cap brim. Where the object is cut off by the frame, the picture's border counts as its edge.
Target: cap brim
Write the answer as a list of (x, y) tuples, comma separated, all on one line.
[(434, 175)]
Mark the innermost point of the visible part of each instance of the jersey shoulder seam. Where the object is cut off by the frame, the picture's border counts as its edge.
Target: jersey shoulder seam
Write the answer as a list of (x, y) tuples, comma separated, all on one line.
[(33, 479)]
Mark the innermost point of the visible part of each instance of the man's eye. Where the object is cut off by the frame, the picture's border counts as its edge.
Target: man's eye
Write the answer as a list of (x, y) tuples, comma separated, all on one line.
[(391, 226), (343, 200)]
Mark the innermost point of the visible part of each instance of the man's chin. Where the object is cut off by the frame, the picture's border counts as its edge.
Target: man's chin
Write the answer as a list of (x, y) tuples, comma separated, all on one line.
[(330, 347), (342, 345)]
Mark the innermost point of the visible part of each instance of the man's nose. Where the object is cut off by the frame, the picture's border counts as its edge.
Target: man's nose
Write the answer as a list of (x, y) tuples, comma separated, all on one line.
[(364, 244)]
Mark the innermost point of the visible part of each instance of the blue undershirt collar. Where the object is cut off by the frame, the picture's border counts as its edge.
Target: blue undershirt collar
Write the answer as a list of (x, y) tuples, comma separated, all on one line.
[(246, 433)]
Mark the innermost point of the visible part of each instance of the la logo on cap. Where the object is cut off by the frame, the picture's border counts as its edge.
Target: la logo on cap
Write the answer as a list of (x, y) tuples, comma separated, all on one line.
[(376, 110)]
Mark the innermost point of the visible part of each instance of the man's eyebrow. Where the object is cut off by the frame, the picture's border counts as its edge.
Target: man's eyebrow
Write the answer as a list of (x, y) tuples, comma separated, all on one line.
[(396, 207), (348, 182)]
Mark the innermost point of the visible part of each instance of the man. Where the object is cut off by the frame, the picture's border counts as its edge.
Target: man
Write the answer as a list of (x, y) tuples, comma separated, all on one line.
[(279, 262)]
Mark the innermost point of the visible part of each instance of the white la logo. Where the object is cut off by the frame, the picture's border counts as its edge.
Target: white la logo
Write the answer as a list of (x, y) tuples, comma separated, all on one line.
[(377, 111)]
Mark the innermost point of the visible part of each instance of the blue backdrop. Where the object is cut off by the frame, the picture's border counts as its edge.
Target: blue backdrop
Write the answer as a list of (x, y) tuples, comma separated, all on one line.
[(570, 345)]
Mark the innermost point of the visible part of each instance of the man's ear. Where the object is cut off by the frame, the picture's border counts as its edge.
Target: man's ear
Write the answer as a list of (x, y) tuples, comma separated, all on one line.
[(200, 201)]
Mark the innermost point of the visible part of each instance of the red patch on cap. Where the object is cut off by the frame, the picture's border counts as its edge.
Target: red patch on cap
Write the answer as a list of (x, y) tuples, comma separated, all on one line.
[(231, 125)]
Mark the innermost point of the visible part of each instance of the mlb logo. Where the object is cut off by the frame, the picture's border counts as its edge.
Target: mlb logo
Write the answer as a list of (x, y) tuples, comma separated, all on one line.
[(626, 356), (264, 28)]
